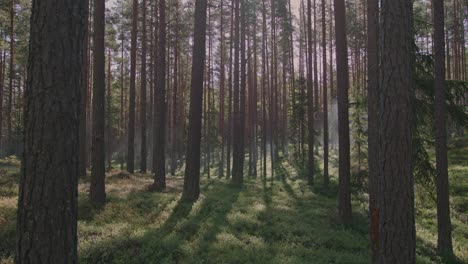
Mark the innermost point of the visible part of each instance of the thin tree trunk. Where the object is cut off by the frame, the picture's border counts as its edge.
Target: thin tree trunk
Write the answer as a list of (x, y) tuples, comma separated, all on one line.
[(97, 193), (444, 226), (143, 101), (344, 200), (131, 110), (373, 122), (310, 97), (83, 100), (160, 104)]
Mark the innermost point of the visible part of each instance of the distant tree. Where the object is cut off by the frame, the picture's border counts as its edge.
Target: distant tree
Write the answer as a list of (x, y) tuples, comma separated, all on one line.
[(97, 191), (325, 97), (143, 99), (310, 96), (131, 110), (12, 72), (444, 226), (47, 204), (192, 172), (397, 238), (344, 189), (237, 152)]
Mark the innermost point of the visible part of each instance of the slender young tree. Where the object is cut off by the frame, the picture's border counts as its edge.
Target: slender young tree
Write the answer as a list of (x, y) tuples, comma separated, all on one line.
[(310, 96), (131, 110), (48, 205), (397, 236), (344, 199), (143, 101), (373, 121), (12, 71), (325, 97), (237, 152), (160, 105), (192, 172), (97, 192), (444, 226)]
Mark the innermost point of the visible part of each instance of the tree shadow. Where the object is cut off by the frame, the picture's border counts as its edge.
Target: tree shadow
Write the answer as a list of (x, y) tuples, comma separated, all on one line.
[(201, 220)]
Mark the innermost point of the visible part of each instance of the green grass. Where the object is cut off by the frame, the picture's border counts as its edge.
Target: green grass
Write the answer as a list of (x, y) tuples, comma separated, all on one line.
[(279, 221)]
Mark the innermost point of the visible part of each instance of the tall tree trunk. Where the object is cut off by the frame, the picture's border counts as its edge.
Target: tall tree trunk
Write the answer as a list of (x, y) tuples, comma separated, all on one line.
[(444, 226), (192, 172), (160, 105), (131, 110), (237, 152), (325, 97), (222, 88), (108, 99), (97, 192), (230, 106), (2, 82), (47, 204), (83, 100), (344, 199), (396, 91), (143, 101), (12, 73), (175, 86), (264, 80), (310, 96), (373, 121)]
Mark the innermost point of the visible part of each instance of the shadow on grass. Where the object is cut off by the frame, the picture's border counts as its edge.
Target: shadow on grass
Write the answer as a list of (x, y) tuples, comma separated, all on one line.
[(200, 221), (427, 250)]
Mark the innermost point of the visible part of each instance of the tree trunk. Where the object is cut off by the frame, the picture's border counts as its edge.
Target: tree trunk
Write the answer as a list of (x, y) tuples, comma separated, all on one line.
[(373, 121), (131, 110), (325, 97), (444, 226), (84, 99), (97, 193), (344, 189), (192, 172), (396, 194), (143, 100), (48, 205), (310, 96), (160, 105)]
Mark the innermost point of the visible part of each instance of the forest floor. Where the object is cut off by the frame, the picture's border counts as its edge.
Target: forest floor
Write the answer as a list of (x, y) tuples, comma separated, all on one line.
[(279, 221)]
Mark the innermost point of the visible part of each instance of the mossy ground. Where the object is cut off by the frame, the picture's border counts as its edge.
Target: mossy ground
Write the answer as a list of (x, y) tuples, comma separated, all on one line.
[(267, 221)]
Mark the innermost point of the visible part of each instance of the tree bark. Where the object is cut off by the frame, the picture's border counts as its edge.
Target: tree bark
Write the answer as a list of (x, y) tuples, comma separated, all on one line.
[(97, 193), (344, 188), (160, 105), (192, 172), (47, 205), (444, 226), (310, 96), (396, 89)]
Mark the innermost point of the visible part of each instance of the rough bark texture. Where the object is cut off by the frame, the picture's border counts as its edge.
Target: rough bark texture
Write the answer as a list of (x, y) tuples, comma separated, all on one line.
[(97, 193), (396, 194), (373, 121), (47, 205), (444, 227), (131, 107), (160, 105), (344, 188), (192, 171)]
